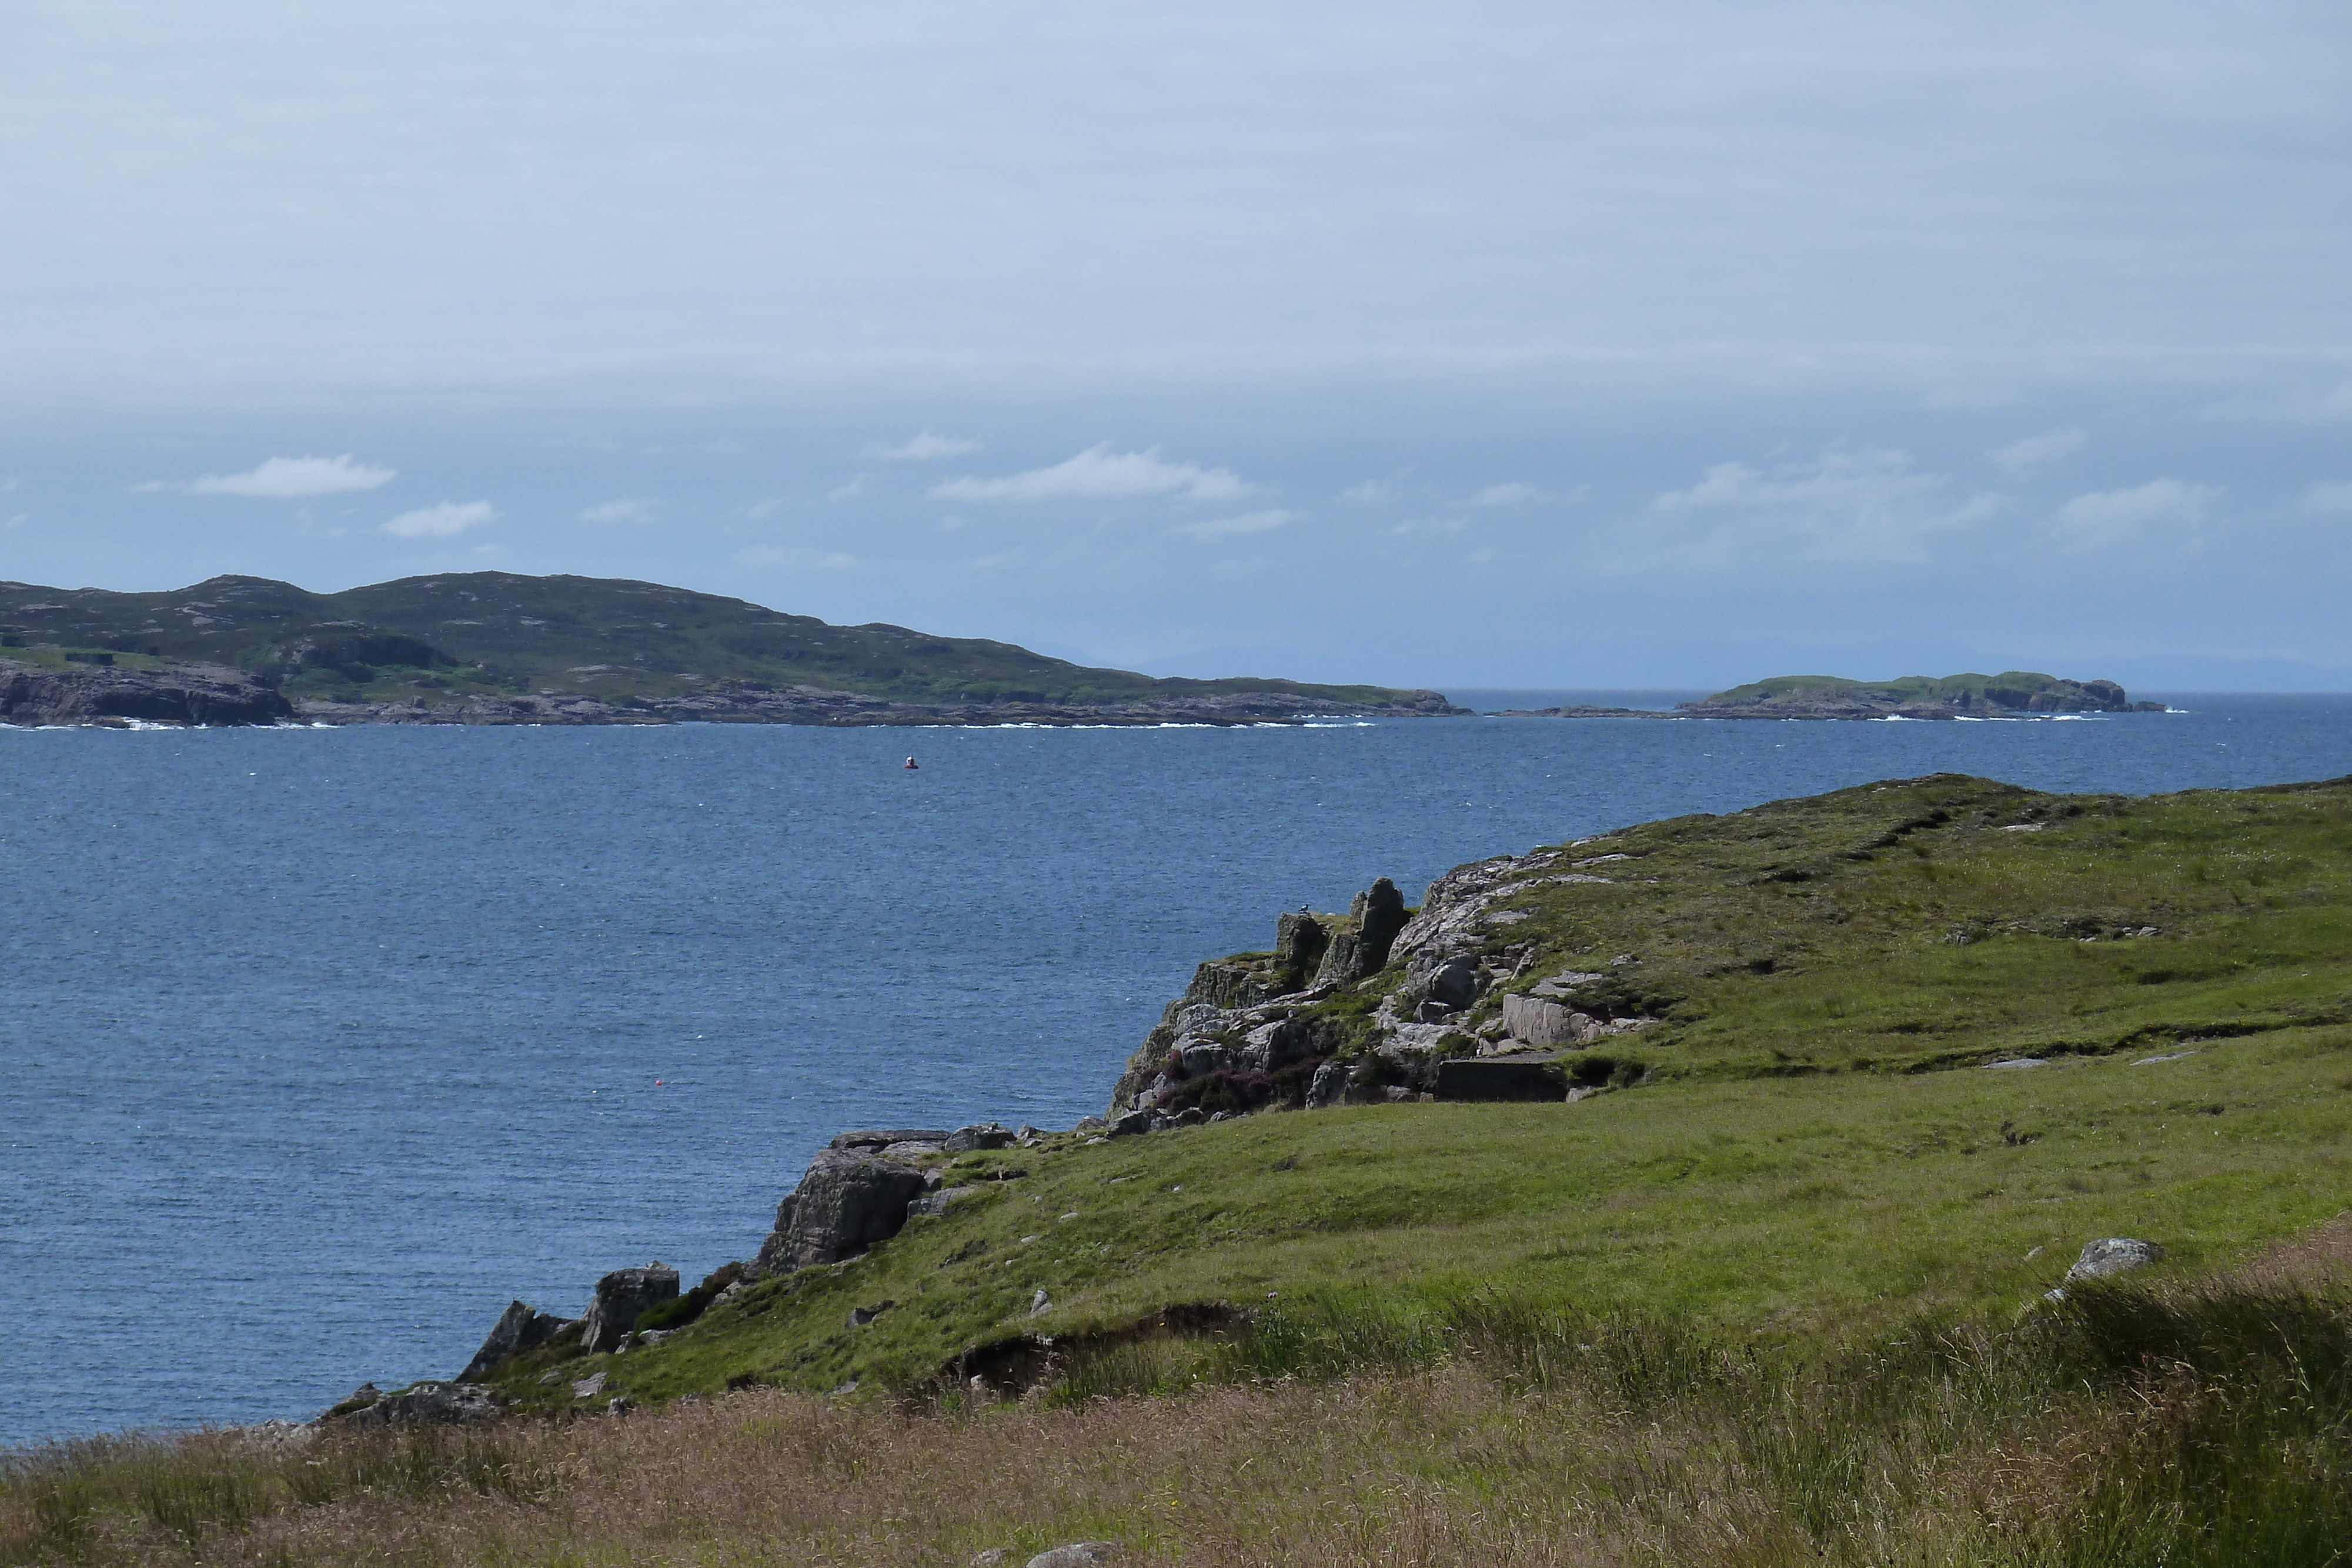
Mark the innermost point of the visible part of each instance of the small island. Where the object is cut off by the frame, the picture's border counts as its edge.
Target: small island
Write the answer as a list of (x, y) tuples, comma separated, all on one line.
[(2009, 694)]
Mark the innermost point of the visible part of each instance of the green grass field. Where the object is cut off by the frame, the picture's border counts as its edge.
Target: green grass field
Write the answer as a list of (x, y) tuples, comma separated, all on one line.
[(1820, 1149)]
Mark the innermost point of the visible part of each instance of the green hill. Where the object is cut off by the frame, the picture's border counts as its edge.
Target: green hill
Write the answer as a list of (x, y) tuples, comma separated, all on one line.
[(1808, 1139), (443, 638)]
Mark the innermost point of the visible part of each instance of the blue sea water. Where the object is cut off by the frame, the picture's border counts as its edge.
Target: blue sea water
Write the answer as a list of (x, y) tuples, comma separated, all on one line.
[(320, 1045)]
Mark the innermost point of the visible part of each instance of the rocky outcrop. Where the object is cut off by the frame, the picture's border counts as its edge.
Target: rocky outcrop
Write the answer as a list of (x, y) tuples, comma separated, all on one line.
[(422, 1403), (1360, 948), (1532, 1020), (848, 1200), (520, 1328), (622, 1296), (177, 693)]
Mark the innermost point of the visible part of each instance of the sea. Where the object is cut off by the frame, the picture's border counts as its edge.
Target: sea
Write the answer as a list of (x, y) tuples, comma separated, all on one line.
[(319, 1046)]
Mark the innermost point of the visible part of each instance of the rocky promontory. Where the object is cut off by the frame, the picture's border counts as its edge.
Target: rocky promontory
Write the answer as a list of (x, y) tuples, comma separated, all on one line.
[(93, 692)]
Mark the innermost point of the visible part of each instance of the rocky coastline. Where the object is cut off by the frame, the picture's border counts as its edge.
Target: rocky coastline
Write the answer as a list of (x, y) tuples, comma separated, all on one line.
[(1249, 1035), (207, 695)]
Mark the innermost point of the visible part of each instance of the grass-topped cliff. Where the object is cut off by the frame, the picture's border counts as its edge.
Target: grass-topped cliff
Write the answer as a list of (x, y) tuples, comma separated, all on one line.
[(1775, 1295), (439, 640), (1812, 1138)]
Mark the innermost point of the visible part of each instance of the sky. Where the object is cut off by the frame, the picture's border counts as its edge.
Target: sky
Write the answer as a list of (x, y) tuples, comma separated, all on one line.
[(1486, 344)]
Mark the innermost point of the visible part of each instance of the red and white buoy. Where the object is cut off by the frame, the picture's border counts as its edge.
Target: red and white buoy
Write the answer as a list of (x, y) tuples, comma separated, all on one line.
[(911, 762)]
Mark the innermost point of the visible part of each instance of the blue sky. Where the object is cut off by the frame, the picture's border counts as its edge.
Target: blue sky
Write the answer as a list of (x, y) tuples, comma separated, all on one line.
[(1488, 344)]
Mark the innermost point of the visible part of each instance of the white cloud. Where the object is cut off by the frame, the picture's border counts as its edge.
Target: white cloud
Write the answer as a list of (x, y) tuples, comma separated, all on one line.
[(925, 447), (848, 492), (1859, 504), (1369, 490), (2160, 512), (2327, 498), (446, 520), (1100, 473), (2036, 453), (1504, 495), (624, 509), (1229, 528), (291, 478)]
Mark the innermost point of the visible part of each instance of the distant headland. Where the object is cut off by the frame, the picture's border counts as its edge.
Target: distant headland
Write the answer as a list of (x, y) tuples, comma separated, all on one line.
[(2005, 695), (493, 647)]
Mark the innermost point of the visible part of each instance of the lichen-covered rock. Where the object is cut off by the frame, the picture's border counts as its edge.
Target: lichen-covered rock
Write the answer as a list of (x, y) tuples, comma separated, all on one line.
[(520, 1328), (2111, 1255), (847, 1201), (622, 1296), (1533, 1020), (981, 1136)]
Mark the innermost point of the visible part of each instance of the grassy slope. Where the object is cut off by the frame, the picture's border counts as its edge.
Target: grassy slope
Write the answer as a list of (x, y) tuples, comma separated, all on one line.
[(1818, 1150), (606, 637)]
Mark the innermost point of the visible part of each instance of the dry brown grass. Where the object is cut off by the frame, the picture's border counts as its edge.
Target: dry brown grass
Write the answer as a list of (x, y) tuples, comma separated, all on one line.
[(2199, 1422), (1444, 1467)]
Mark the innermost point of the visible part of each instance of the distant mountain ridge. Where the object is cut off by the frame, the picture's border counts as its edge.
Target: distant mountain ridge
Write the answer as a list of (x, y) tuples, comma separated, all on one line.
[(490, 646)]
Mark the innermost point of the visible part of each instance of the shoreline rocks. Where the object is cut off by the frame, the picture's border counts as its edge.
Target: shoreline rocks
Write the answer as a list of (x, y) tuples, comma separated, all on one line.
[(205, 696)]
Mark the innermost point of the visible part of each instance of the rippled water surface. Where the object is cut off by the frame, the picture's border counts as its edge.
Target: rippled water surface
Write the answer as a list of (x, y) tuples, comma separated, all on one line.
[(320, 1045)]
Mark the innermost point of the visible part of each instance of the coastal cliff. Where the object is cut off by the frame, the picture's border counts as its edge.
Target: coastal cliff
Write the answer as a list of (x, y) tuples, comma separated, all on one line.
[(1879, 961)]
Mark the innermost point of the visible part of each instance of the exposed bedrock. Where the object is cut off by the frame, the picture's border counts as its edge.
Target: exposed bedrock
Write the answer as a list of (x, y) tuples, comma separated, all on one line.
[(520, 1328), (848, 1200), (622, 1297), (183, 694)]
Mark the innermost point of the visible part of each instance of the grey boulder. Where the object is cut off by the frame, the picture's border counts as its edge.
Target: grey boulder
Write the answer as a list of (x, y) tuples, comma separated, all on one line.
[(1531, 1021), (622, 1296), (428, 1404), (522, 1327), (1454, 983), (846, 1203), (2111, 1255), (981, 1135), (1077, 1554)]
